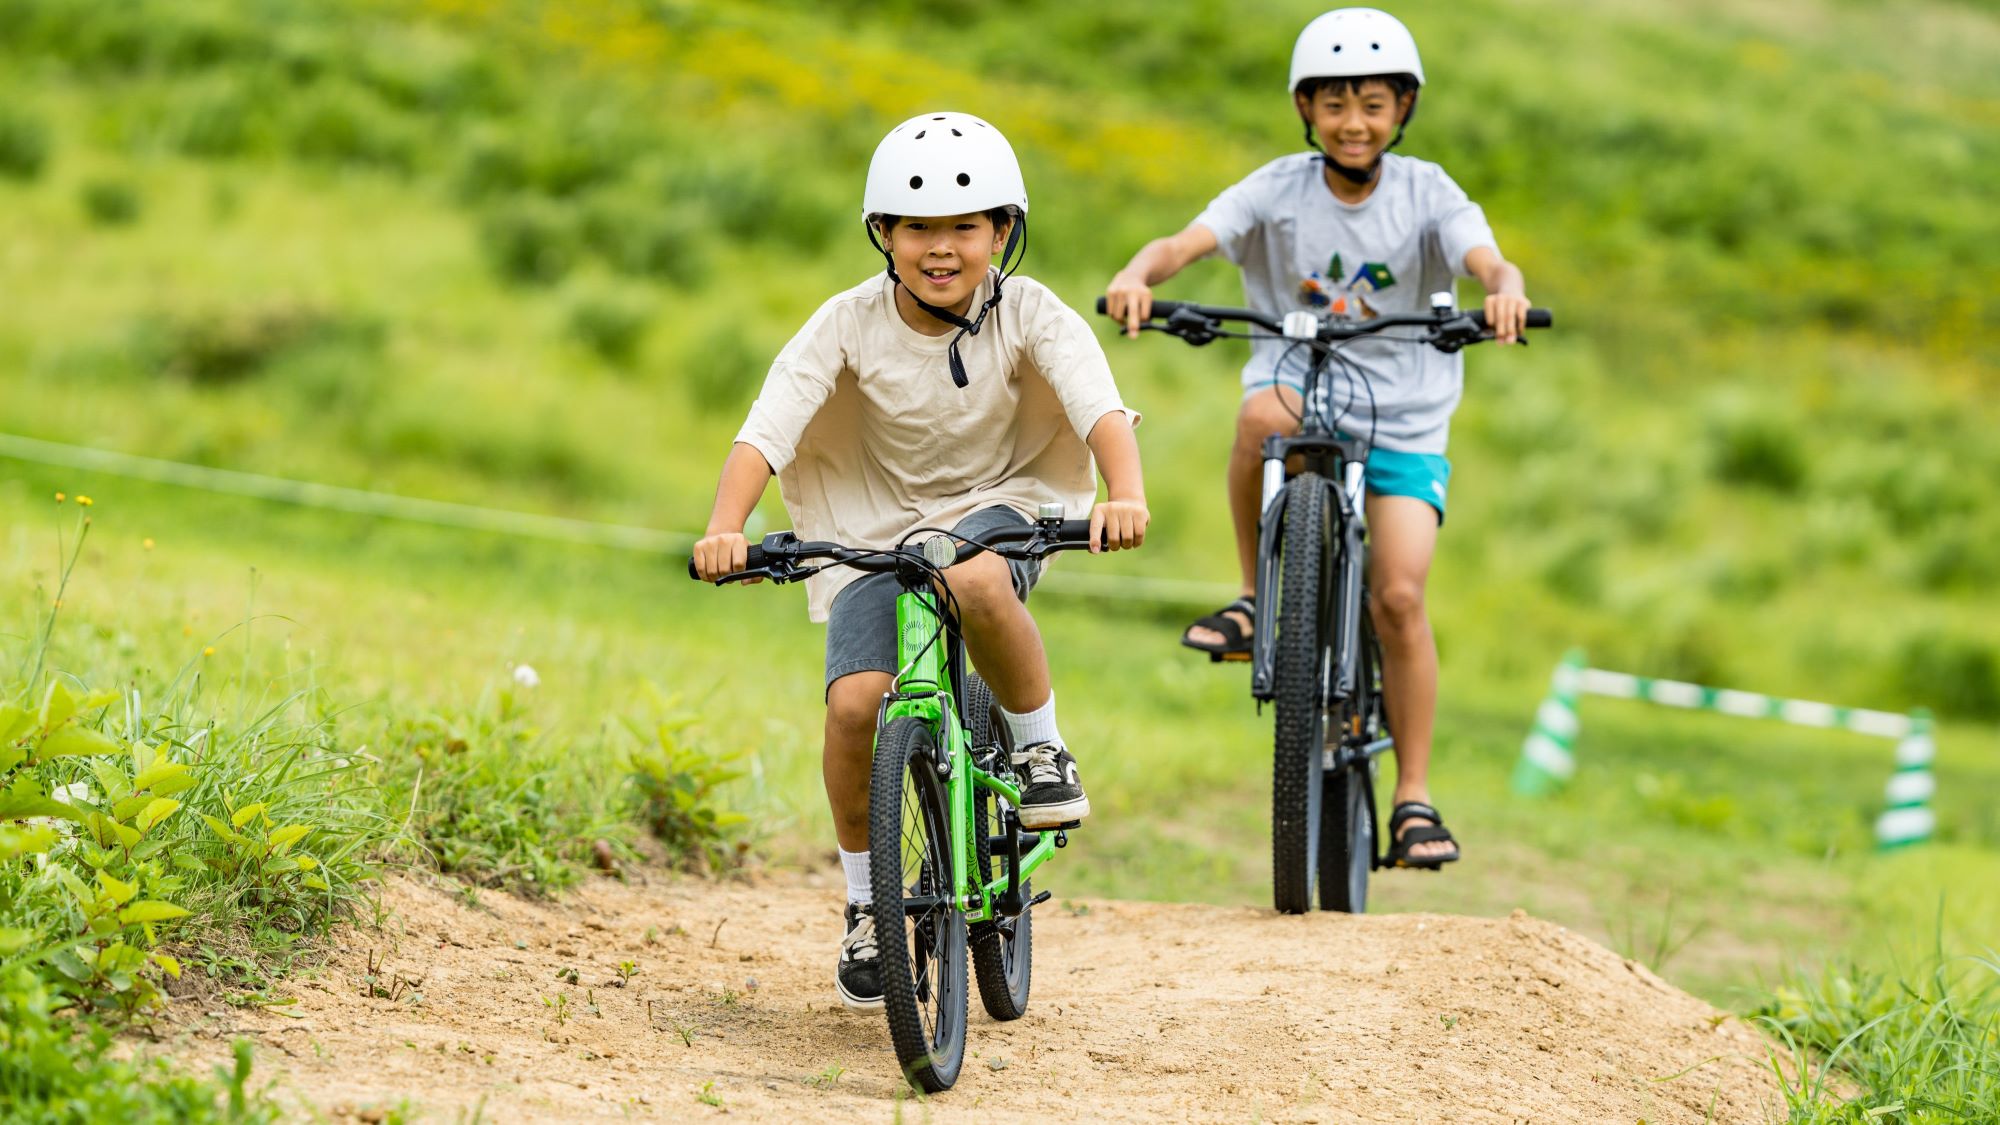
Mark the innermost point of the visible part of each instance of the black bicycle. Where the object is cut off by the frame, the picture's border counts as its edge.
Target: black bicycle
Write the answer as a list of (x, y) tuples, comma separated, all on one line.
[(1313, 651)]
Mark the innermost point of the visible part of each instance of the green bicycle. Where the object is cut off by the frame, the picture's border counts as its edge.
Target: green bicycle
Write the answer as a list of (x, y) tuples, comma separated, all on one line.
[(950, 858)]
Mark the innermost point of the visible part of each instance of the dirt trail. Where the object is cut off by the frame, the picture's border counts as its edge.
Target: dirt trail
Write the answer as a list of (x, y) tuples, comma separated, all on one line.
[(1140, 1012)]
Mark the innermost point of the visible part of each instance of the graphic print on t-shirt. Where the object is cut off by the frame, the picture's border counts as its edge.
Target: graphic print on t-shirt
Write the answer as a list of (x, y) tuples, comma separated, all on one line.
[(1346, 295)]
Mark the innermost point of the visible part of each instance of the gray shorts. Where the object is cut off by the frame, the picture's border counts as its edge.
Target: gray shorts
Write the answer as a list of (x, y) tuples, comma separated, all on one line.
[(861, 626)]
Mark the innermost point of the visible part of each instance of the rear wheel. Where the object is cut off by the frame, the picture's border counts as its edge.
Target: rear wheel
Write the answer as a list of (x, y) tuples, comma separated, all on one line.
[(1002, 961), (1299, 657), (1347, 824), (922, 943)]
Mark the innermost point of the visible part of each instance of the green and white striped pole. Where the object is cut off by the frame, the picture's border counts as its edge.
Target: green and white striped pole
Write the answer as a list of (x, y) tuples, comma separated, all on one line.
[(1548, 755), (1908, 819)]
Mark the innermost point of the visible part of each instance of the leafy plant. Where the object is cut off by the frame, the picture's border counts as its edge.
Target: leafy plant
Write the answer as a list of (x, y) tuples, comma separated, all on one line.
[(677, 784)]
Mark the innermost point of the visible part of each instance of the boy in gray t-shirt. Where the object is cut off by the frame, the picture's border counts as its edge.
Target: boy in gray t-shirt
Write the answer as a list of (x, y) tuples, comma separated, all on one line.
[(1354, 230)]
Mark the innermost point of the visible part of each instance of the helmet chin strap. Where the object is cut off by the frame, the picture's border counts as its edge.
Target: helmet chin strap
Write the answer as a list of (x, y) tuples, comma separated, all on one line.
[(965, 327)]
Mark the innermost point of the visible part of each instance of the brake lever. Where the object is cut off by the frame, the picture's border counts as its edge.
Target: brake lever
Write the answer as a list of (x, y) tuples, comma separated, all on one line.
[(777, 573)]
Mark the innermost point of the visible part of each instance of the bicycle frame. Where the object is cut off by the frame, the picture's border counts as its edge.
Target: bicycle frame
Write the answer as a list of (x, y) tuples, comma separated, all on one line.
[(1341, 462), (929, 683)]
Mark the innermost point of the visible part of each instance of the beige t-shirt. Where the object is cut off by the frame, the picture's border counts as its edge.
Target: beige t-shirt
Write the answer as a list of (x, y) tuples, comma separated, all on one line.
[(871, 440)]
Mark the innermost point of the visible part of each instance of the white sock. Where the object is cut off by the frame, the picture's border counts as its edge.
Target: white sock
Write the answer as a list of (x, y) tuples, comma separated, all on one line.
[(855, 864), (1038, 725)]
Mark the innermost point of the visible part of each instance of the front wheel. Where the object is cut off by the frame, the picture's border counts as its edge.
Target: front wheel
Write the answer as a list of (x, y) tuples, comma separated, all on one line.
[(1300, 668), (919, 930)]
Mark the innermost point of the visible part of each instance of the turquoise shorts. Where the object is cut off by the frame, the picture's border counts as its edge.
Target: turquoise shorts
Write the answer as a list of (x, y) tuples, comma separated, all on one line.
[(1391, 472)]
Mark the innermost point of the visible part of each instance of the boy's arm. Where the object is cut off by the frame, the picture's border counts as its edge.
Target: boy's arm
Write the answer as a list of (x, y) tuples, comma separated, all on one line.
[(1122, 518), (1506, 292), (722, 549), (1129, 297)]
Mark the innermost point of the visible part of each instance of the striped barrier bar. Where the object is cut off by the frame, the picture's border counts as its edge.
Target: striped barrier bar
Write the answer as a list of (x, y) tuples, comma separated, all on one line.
[(1548, 754)]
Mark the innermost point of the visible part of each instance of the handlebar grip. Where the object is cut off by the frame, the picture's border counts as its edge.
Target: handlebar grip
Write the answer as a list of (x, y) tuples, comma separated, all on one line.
[(756, 559), (1537, 318), (1073, 531), (1161, 309)]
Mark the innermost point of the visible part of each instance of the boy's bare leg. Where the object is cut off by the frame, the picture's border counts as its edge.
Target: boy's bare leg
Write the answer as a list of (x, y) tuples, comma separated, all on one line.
[(1004, 644), (852, 702), (1000, 634), (1272, 410), (1402, 535)]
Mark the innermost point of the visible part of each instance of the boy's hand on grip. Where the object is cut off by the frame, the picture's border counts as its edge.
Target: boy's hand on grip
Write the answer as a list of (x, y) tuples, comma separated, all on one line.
[(1129, 300), (1506, 315), (1118, 525), (721, 554)]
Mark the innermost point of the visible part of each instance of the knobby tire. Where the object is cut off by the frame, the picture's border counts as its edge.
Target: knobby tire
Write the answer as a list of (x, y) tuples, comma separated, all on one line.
[(923, 954), (1300, 663)]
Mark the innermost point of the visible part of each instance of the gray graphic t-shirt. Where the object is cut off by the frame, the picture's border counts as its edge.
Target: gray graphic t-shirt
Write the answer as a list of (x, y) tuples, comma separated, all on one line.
[(1299, 247)]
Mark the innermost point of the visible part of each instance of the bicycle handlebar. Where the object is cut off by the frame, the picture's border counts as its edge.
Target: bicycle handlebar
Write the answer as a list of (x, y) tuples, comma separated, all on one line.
[(778, 556), (1189, 315)]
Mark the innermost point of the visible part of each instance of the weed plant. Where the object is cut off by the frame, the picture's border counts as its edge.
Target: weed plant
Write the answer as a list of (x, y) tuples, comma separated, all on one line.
[(1922, 1045)]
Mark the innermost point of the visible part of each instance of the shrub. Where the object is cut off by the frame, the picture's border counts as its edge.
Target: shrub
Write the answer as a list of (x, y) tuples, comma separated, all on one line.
[(676, 785), (1753, 449), (231, 345), (648, 239), (24, 144), (110, 202), (57, 1069), (612, 323), (343, 124), (529, 241), (723, 368), (1955, 674)]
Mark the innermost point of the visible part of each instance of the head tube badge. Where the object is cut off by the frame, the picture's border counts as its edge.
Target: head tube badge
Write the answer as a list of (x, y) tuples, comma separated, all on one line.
[(1301, 326)]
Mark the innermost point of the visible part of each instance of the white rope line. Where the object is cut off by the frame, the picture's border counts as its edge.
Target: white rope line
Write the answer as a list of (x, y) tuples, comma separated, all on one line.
[(443, 513)]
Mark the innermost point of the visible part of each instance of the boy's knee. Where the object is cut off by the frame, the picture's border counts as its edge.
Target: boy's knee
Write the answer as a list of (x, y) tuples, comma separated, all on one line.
[(982, 584), (1399, 605), (1262, 416), (852, 702)]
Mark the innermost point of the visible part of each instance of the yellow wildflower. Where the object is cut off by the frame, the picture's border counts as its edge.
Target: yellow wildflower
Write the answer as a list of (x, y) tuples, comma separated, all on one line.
[(209, 651), (60, 498), (149, 542), (84, 501)]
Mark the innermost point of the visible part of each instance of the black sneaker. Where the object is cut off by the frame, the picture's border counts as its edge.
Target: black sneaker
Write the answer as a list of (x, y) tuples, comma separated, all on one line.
[(858, 974), (1052, 795)]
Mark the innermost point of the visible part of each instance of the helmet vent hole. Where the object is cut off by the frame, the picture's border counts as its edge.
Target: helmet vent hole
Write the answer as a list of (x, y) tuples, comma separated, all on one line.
[(916, 182), (1336, 48), (1374, 46), (939, 117), (964, 180), (956, 133), (920, 135)]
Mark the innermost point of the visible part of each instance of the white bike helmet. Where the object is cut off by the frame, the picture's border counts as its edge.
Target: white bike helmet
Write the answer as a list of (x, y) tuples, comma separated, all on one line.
[(947, 164), (1354, 43), (943, 164)]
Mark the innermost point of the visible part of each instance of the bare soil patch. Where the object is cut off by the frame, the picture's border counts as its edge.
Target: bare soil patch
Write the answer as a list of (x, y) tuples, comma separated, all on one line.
[(1141, 1012)]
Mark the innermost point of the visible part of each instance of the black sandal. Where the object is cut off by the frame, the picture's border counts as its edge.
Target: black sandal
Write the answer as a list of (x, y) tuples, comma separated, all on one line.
[(1234, 643), (1399, 850)]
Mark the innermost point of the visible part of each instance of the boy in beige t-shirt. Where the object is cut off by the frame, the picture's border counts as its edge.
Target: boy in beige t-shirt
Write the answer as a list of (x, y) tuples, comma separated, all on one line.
[(920, 398)]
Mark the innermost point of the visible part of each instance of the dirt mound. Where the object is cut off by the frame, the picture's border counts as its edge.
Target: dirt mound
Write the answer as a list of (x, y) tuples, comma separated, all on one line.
[(1141, 1011)]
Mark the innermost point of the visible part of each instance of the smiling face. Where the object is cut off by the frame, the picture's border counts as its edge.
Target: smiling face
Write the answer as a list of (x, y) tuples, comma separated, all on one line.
[(942, 259), (1355, 125)]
